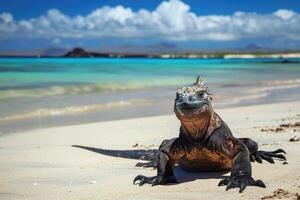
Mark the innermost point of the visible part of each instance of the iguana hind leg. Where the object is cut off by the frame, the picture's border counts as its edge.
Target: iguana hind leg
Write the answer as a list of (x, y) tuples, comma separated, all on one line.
[(153, 163), (259, 155), (169, 151)]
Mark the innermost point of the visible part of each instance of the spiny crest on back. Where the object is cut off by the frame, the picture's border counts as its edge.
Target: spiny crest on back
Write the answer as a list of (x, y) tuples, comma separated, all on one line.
[(197, 86)]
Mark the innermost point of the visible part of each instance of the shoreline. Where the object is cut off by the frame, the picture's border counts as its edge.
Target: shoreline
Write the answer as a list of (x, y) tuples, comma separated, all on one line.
[(145, 106), (41, 163), (73, 120)]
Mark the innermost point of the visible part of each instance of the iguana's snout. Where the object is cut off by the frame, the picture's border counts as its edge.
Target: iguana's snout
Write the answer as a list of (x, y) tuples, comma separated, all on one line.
[(192, 105), (193, 100)]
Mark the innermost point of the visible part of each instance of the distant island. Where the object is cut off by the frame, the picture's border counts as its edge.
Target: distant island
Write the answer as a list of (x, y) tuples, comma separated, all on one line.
[(81, 53), (78, 52)]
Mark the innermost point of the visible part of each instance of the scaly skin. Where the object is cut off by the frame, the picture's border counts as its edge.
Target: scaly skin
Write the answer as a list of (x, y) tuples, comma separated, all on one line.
[(205, 143)]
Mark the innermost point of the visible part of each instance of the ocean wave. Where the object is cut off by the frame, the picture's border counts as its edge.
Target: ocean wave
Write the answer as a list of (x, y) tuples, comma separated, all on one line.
[(256, 91), (282, 82), (278, 85), (235, 100), (68, 89), (73, 110), (274, 83)]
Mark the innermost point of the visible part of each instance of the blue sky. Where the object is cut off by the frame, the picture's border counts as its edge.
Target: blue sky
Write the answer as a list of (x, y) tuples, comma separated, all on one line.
[(34, 25)]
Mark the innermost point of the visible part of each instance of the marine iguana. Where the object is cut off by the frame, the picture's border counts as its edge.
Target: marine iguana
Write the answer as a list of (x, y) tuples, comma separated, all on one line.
[(205, 143)]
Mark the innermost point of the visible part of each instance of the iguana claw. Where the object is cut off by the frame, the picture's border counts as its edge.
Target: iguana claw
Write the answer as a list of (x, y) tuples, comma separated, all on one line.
[(241, 182)]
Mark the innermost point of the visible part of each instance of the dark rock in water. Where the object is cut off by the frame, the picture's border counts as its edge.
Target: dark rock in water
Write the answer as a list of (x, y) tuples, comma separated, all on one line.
[(78, 53), (284, 61), (289, 61)]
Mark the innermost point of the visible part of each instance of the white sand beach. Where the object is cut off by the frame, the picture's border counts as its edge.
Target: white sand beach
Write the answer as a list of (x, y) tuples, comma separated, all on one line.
[(41, 164)]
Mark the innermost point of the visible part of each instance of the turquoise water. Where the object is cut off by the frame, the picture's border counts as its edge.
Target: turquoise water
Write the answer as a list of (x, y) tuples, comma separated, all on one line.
[(32, 77), (38, 88)]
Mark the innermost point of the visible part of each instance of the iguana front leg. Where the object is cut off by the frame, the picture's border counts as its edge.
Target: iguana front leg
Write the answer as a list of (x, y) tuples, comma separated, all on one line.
[(241, 173), (169, 152)]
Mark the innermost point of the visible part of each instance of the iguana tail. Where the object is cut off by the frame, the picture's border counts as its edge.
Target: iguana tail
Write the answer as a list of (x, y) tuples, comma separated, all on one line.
[(138, 154)]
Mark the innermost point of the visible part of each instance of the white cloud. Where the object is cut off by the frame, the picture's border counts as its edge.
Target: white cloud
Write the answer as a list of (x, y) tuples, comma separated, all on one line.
[(171, 20), (284, 14), (6, 18)]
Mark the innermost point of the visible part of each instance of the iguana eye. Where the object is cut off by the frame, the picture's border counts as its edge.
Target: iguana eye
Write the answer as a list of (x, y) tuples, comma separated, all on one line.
[(200, 93), (179, 96)]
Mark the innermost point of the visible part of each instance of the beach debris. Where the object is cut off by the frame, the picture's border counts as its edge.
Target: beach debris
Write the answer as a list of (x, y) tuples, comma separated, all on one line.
[(135, 145), (290, 125), (295, 139), (92, 182), (35, 184), (280, 194), (285, 163), (277, 129), (295, 126)]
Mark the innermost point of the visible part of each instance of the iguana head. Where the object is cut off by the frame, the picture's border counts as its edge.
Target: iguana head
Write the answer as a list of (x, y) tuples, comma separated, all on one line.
[(193, 102)]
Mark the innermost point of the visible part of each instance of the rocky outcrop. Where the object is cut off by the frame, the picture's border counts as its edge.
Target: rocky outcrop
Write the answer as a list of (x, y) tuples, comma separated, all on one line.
[(81, 53), (77, 53)]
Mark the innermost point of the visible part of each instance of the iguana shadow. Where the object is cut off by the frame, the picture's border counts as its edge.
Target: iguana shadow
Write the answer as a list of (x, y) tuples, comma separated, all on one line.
[(183, 176), (148, 155)]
